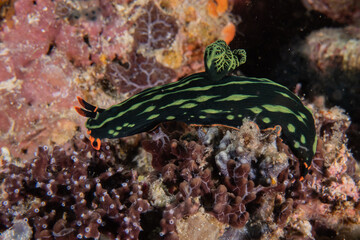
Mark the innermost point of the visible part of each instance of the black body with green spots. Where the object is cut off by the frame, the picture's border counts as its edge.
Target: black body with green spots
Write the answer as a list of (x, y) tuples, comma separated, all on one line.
[(206, 99)]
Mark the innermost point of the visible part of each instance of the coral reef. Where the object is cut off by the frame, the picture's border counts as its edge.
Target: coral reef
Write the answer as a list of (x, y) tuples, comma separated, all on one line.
[(164, 38), (244, 182), (334, 55), (188, 168), (163, 28), (73, 194), (332, 63), (42, 53), (257, 193), (139, 73), (177, 182), (52, 51)]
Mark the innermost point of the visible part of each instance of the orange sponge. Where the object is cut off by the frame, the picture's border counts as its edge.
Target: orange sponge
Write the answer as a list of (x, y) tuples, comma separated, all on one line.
[(217, 7), (228, 32)]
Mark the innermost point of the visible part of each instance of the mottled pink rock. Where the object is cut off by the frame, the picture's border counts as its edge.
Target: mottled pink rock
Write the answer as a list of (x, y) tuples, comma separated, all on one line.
[(91, 32), (112, 41), (34, 29), (71, 42), (50, 44), (38, 105)]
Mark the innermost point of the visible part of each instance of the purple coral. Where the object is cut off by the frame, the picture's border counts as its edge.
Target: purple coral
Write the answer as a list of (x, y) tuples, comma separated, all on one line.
[(83, 186), (155, 29), (258, 183), (187, 173), (137, 74)]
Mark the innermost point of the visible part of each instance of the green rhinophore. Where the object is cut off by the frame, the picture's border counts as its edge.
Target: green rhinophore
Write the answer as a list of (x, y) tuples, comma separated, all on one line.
[(220, 60)]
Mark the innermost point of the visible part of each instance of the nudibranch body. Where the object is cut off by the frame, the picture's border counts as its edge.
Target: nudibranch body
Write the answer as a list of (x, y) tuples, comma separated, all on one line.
[(209, 98)]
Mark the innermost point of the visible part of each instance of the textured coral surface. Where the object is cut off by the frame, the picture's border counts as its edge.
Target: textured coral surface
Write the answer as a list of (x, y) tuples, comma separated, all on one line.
[(242, 183), (74, 194), (51, 51), (334, 48), (332, 56)]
